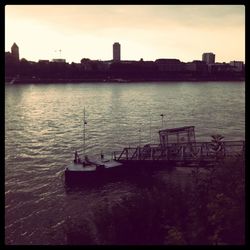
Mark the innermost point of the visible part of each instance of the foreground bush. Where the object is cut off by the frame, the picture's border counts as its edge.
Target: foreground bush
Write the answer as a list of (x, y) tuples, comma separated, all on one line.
[(209, 211)]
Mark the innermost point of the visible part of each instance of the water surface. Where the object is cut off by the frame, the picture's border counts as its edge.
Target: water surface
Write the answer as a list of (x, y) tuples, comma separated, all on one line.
[(43, 128)]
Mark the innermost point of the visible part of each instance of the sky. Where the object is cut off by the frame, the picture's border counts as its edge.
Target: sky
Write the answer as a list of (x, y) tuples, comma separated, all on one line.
[(150, 32)]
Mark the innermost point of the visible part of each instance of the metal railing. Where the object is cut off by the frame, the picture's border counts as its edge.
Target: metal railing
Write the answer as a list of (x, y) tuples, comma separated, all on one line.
[(183, 151)]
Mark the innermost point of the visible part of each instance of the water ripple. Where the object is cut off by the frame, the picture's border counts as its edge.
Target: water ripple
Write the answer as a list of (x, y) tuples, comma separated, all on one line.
[(44, 126)]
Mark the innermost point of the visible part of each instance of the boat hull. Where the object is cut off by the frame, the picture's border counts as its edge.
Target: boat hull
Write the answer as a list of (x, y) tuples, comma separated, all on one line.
[(76, 174), (93, 175)]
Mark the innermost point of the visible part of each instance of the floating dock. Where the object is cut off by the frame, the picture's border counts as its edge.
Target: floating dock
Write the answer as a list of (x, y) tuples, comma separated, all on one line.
[(178, 147)]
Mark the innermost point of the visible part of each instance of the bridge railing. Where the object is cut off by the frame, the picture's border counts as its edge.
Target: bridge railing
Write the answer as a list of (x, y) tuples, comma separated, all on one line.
[(183, 151)]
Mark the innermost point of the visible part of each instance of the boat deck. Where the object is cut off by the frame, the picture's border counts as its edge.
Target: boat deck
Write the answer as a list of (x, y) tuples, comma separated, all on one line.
[(105, 162), (78, 167), (92, 165)]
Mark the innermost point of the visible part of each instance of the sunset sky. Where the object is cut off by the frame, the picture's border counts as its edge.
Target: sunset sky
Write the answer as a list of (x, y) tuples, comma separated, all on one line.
[(144, 31)]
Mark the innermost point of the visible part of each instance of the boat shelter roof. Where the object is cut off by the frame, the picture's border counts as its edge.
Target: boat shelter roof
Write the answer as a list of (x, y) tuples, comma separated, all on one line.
[(177, 130), (177, 135)]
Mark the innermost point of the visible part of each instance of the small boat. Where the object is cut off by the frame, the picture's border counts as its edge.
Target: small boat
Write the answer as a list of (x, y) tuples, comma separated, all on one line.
[(90, 169)]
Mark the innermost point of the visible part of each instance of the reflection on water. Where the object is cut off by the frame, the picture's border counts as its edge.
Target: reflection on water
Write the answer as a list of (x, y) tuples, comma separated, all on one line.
[(43, 127)]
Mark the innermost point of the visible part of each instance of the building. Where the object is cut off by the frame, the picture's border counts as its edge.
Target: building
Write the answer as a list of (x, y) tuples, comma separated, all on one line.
[(219, 68), (43, 61), (169, 65), (94, 65), (196, 66), (59, 60), (209, 58), (237, 65), (15, 51), (116, 52)]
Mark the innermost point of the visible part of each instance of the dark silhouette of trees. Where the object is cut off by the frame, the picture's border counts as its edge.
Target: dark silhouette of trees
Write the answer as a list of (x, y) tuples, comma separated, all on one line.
[(95, 70)]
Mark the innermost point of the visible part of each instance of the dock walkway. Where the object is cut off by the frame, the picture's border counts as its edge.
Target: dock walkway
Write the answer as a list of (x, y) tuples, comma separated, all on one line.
[(191, 153)]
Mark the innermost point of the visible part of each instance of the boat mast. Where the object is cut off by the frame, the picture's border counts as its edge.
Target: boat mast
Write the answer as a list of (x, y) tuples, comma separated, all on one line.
[(150, 133), (140, 136), (162, 115), (84, 123)]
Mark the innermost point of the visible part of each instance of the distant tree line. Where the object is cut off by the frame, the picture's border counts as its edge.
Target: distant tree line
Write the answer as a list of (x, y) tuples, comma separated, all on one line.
[(87, 70)]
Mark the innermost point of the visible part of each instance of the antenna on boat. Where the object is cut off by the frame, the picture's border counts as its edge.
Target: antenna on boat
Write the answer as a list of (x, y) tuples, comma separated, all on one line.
[(140, 136), (150, 133), (162, 115), (84, 123)]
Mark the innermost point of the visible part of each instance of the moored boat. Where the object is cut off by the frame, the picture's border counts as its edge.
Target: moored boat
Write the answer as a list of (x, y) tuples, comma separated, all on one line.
[(91, 170)]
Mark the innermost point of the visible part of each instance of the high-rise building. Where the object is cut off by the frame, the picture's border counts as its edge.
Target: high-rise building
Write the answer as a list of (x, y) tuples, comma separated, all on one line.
[(15, 51), (209, 58), (116, 52)]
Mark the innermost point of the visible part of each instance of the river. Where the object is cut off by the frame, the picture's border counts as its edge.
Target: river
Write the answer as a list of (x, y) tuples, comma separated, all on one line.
[(44, 126)]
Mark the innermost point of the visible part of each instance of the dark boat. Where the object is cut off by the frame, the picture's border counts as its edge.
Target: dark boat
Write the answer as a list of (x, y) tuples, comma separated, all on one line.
[(91, 169)]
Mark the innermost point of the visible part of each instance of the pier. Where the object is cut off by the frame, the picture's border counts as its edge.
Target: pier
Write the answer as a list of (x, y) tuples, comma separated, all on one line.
[(178, 146)]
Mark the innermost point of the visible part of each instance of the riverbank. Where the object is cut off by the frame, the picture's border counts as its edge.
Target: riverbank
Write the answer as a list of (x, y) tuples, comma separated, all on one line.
[(118, 80), (205, 211)]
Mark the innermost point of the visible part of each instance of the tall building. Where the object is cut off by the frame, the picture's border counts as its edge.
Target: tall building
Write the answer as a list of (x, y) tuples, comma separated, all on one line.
[(15, 51), (116, 52), (209, 58)]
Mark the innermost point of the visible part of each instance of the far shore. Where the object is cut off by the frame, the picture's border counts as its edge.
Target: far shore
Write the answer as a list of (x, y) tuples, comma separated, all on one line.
[(118, 80)]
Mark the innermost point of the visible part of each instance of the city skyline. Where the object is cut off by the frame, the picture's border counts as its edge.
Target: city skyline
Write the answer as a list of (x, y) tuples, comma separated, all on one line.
[(144, 31)]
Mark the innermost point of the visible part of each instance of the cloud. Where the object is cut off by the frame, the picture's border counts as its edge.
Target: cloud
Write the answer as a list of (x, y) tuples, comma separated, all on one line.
[(98, 18), (155, 29)]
